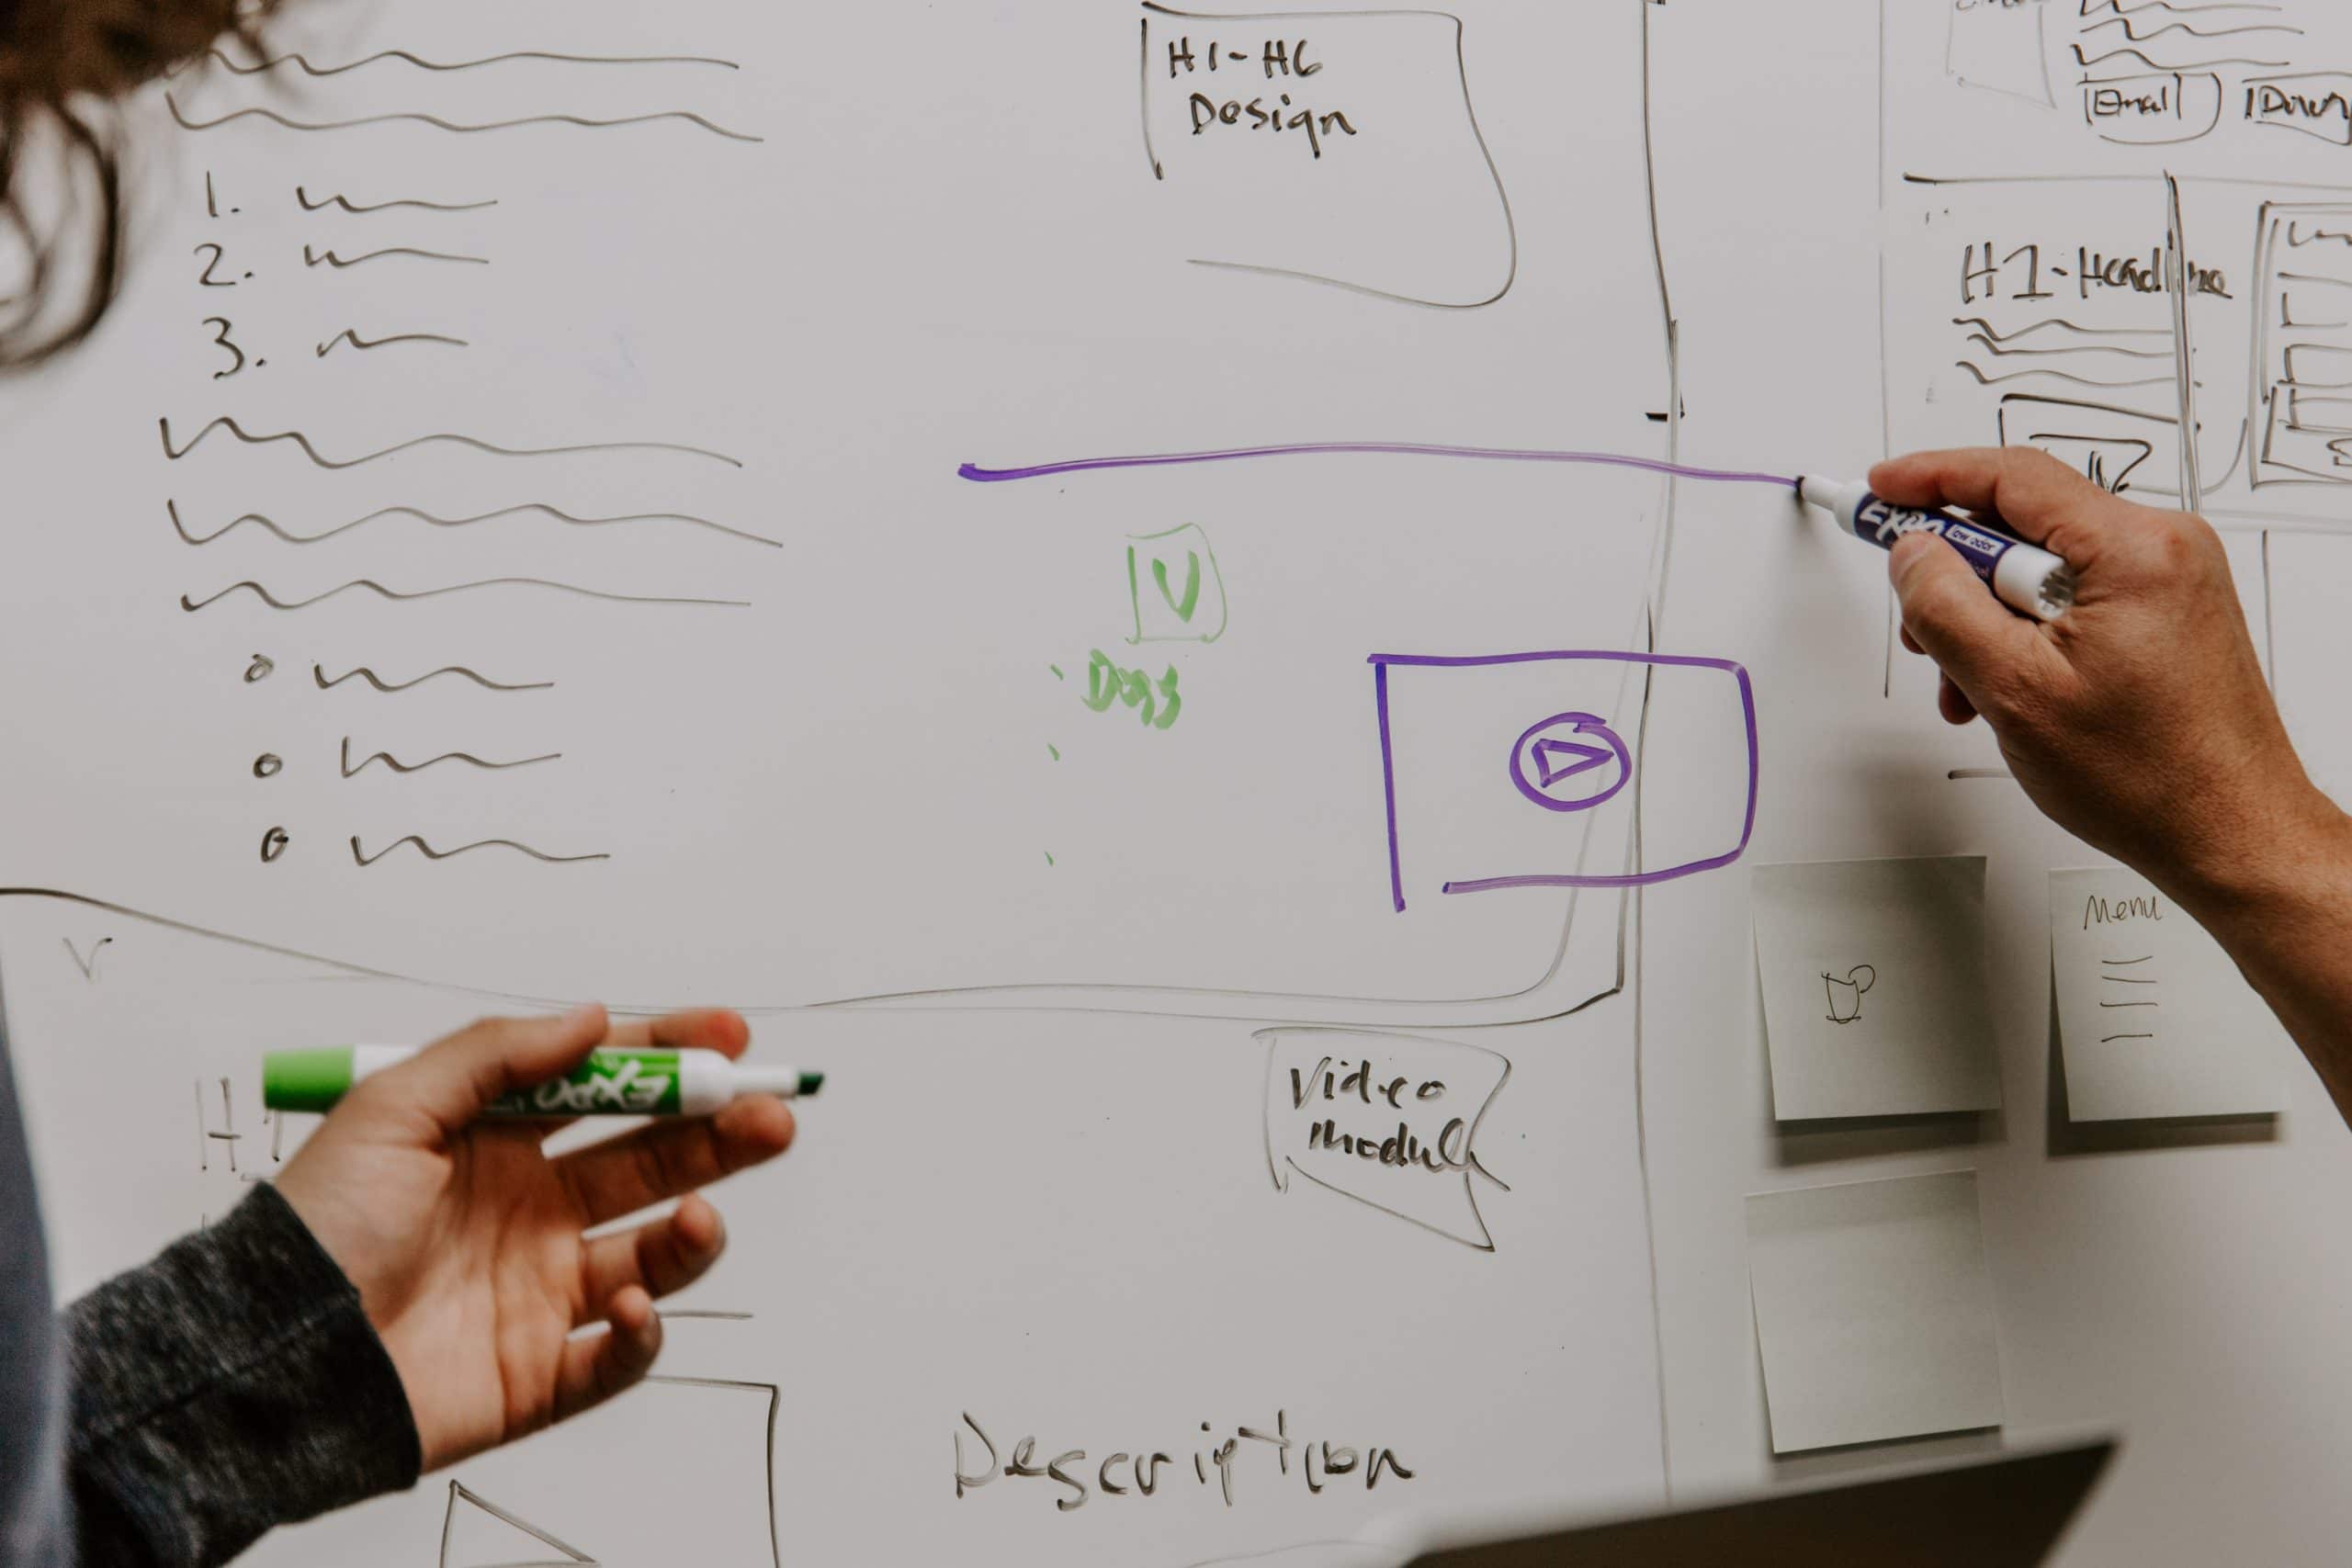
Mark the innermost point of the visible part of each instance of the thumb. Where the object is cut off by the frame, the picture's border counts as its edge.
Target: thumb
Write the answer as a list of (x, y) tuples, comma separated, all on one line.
[(1974, 639), (451, 1081)]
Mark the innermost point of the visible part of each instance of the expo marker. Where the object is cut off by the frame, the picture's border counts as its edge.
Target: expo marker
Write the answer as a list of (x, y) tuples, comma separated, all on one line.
[(653, 1082), (2024, 576)]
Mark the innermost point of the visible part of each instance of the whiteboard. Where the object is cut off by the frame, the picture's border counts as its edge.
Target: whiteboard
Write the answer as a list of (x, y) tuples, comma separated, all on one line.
[(779, 473)]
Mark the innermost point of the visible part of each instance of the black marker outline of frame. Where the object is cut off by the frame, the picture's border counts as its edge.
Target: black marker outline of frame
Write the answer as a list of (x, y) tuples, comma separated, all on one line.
[(1272, 1037), (1462, 65)]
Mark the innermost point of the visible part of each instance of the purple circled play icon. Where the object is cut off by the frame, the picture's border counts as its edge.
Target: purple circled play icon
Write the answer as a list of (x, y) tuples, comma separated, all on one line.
[(1563, 747)]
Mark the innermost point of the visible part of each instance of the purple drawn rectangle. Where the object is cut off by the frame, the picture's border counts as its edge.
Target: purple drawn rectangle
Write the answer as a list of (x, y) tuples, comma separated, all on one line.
[(1381, 663)]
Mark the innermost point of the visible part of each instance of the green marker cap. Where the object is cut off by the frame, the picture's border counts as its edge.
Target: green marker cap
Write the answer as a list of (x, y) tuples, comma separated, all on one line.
[(305, 1080)]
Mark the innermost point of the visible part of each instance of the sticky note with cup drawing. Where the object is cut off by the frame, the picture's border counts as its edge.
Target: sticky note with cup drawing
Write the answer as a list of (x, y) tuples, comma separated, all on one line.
[(1875, 981)]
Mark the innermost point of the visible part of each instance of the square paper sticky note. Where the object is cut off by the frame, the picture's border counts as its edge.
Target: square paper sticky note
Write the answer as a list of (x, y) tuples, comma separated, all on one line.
[(1874, 987), (1873, 1311), (2154, 1020)]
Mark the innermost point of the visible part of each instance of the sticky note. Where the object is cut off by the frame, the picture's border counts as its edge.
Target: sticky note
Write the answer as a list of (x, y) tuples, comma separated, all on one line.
[(2153, 1019), (1875, 998), (1873, 1311)]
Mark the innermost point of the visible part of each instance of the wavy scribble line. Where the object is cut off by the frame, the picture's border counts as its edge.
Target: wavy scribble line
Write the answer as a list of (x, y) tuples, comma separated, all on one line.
[(344, 202), (351, 769), (429, 853), (1981, 325), (271, 61), (979, 475), (2092, 7), (229, 424), (372, 586), (2297, 238), (439, 124), (1985, 380), (313, 258), (2136, 36), (2087, 61), (351, 335), (319, 674), (1998, 352), (263, 521)]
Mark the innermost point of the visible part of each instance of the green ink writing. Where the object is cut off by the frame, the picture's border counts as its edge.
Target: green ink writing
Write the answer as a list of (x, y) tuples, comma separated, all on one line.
[(1192, 586), (1195, 614), (1157, 702)]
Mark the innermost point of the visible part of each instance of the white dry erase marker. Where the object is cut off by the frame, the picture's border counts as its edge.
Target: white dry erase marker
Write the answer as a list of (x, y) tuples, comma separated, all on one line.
[(653, 1082), (2026, 578)]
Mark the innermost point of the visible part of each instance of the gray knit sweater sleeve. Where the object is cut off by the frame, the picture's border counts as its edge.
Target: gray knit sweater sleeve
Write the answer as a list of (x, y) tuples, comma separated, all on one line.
[(230, 1385)]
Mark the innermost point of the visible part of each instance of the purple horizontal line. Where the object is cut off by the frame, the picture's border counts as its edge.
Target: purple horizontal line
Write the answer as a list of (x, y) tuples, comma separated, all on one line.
[(979, 475), (1470, 660)]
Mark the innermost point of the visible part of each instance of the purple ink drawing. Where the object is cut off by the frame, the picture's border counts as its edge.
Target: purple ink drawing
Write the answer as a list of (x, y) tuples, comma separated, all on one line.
[(1562, 748), (1568, 761)]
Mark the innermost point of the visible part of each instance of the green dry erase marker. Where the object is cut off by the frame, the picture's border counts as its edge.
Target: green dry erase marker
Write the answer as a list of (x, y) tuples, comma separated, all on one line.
[(653, 1082)]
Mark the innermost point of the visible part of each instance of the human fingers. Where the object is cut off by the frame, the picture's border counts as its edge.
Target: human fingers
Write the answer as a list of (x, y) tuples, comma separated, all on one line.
[(451, 1081), (2024, 488), (704, 1029), (672, 1155), (1981, 646), (1952, 703), (597, 1366), (700, 1029), (661, 1257)]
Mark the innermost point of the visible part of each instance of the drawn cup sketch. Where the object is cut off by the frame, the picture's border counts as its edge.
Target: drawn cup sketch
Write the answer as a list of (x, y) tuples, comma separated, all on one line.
[(1846, 995)]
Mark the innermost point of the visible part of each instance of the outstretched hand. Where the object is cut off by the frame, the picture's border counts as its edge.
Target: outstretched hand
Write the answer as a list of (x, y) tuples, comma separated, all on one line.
[(465, 1238)]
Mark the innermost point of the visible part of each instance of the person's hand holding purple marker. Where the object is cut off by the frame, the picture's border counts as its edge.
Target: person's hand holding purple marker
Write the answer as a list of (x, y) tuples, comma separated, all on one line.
[(2139, 720)]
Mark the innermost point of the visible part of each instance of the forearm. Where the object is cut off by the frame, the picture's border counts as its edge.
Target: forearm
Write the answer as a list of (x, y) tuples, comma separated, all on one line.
[(231, 1386), (2281, 905)]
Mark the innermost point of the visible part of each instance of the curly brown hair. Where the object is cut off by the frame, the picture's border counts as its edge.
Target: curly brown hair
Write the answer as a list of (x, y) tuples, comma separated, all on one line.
[(63, 63)]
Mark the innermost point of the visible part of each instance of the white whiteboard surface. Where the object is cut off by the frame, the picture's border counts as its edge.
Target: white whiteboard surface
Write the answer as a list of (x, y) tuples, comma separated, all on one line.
[(1043, 1188)]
